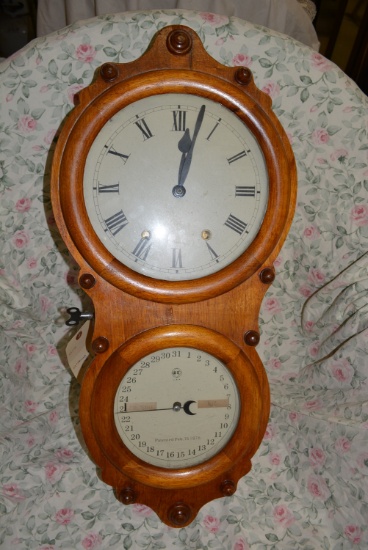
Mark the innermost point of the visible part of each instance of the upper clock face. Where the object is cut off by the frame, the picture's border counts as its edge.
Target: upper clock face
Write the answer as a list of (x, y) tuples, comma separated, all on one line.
[(175, 186)]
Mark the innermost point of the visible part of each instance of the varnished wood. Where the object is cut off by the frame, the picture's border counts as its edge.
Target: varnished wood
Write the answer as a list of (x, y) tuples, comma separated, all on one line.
[(198, 484), (135, 314), (136, 80)]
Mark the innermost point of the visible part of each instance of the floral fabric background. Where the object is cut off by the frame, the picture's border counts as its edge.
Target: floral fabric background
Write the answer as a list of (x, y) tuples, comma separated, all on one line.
[(308, 487)]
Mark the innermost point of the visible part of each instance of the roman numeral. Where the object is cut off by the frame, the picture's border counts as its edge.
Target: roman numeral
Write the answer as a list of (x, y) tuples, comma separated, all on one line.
[(213, 254), (235, 224), (114, 188), (237, 157), (116, 222), (179, 121), (176, 258), (245, 191), (142, 125), (142, 249), (213, 129), (113, 151)]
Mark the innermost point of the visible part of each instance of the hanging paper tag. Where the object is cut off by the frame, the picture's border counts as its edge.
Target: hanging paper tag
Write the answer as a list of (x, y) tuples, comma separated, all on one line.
[(76, 350)]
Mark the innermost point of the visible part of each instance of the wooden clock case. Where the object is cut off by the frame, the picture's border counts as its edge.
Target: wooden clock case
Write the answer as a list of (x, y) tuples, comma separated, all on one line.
[(135, 314)]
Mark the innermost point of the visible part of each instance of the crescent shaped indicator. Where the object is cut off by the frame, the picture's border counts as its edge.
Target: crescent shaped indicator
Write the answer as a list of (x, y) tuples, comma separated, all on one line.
[(186, 407)]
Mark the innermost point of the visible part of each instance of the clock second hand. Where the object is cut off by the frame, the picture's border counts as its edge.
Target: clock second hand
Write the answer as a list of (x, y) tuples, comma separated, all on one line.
[(186, 146), (152, 406)]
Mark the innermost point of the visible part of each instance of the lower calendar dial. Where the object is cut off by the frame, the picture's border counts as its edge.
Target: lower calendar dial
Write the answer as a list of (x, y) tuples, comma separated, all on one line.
[(176, 407)]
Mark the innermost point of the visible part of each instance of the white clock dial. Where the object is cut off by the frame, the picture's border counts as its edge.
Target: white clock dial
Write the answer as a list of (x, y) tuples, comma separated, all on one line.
[(175, 186), (176, 407)]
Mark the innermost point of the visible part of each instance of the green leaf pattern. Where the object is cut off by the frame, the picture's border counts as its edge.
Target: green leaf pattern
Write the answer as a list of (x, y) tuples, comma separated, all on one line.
[(308, 486)]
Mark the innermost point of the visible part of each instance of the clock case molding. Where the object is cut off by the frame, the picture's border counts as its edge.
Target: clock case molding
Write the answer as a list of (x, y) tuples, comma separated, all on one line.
[(127, 304)]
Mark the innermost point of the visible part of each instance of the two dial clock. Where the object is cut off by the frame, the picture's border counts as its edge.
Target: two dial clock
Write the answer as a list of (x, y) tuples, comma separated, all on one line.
[(173, 186)]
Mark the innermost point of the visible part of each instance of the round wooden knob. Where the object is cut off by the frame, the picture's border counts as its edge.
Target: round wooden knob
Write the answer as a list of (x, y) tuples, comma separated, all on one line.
[(267, 275), (126, 495), (243, 75), (228, 487), (100, 344), (179, 42), (87, 281), (179, 514), (109, 72), (251, 338)]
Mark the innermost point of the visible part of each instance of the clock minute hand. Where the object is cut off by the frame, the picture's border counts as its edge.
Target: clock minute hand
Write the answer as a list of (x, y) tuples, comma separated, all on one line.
[(186, 146), (188, 158)]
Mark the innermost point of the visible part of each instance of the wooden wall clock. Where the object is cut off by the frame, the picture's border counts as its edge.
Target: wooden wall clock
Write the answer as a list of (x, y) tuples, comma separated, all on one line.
[(173, 186)]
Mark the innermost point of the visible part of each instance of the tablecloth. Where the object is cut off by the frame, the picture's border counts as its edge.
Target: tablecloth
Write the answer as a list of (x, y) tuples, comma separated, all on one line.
[(308, 485)]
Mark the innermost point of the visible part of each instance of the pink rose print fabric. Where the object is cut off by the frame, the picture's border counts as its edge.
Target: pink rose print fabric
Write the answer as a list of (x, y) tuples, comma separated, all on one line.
[(308, 486)]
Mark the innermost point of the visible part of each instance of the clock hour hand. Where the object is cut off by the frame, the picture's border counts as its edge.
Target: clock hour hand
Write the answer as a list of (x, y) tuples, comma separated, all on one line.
[(186, 146)]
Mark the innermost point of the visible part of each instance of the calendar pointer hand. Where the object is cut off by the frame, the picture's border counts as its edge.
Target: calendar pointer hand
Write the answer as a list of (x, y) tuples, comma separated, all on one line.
[(177, 406), (186, 147), (152, 407)]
